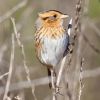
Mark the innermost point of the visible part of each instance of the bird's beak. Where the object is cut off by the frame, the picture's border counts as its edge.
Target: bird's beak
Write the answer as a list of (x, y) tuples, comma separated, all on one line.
[(64, 16)]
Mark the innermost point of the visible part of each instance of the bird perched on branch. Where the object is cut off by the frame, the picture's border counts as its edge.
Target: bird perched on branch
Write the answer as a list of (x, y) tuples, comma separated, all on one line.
[(51, 39)]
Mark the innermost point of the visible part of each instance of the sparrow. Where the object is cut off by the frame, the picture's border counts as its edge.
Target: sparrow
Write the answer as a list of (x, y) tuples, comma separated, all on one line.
[(51, 40)]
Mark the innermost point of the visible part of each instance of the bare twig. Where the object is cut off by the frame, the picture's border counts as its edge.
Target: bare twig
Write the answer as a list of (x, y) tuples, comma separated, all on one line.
[(80, 80), (60, 71), (61, 68), (1, 76), (13, 10), (63, 61), (54, 97), (10, 68), (26, 84), (45, 80), (24, 57)]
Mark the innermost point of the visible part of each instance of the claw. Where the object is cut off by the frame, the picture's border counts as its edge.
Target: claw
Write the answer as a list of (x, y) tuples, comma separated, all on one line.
[(58, 90)]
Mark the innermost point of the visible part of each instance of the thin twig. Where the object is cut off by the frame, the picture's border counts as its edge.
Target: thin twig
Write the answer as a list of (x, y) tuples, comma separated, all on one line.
[(13, 10), (63, 61), (54, 96), (61, 67), (80, 80), (60, 71), (5, 74), (26, 84), (45, 80), (24, 57), (53, 85), (56, 88), (10, 68)]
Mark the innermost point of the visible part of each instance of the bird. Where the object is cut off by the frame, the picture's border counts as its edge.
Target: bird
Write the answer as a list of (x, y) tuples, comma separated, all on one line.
[(51, 40)]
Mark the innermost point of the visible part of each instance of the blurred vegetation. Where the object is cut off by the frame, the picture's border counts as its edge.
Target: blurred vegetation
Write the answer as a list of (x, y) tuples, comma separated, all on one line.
[(94, 9), (25, 18)]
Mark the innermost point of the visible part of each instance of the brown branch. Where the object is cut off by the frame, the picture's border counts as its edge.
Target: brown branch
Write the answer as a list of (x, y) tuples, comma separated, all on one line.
[(77, 30), (80, 80)]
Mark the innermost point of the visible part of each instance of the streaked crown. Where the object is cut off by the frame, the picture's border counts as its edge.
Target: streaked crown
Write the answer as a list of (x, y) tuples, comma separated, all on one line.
[(52, 17)]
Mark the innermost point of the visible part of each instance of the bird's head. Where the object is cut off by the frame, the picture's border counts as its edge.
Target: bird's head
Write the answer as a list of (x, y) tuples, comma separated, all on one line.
[(52, 17)]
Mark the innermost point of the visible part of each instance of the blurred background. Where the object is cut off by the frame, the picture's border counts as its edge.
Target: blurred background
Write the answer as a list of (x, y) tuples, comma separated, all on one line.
[(25, 13)]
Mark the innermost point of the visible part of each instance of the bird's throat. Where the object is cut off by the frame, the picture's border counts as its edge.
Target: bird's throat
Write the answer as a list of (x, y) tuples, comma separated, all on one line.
[(52, 23), (53, 32)]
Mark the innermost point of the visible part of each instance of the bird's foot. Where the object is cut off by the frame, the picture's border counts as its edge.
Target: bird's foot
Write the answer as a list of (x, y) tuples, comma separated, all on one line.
[(57, 90)]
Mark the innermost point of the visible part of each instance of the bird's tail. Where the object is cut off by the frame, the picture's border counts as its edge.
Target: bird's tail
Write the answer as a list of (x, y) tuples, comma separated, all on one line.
[(69, 27)]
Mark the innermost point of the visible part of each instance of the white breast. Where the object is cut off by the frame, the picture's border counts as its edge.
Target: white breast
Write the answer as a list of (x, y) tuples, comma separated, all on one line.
[(53, 50)]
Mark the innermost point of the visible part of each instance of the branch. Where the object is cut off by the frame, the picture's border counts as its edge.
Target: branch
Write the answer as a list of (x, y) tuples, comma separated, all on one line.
[(60, 71), (78, 34), (80, 80), (24, 57), (13, 10), (10, 68), (5, 74), (45, 80), (63, 61)]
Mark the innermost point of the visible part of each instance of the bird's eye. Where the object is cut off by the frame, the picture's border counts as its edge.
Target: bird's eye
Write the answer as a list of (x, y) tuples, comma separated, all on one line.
[(55, 16), (45, 18)]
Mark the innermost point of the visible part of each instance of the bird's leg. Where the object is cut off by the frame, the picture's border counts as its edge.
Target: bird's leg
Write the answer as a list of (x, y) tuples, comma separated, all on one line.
[(49, 75), (53, 78), (53, 82)]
